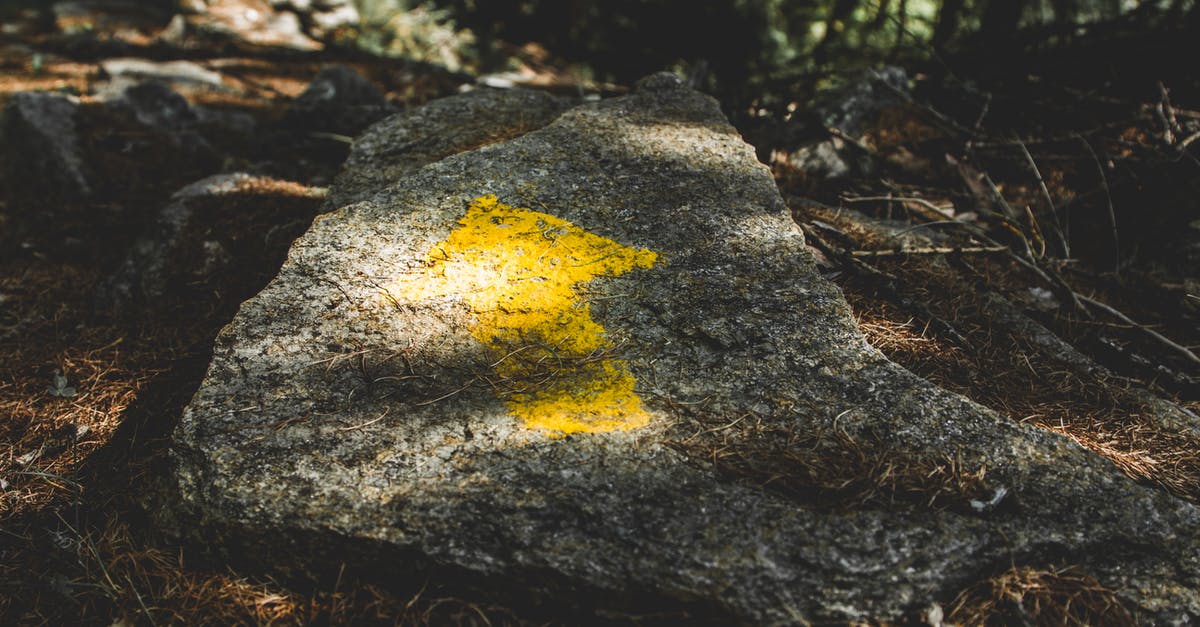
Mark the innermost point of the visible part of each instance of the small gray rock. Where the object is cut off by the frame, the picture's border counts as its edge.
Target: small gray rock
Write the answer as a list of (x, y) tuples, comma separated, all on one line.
[(166, 71), (339, 100), (853, 108), (155, 105), (849, 110), (42, 154), (142, 277)]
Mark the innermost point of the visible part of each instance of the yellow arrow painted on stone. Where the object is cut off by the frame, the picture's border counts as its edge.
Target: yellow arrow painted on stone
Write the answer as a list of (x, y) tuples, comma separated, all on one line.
[(520, 271)]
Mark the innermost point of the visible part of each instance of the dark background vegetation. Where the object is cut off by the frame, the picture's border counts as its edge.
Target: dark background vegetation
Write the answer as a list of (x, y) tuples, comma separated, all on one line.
[(748, 49), (1100, 96)]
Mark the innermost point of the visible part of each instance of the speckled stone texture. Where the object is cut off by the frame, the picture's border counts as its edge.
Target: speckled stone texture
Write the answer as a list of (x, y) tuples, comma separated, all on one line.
[(407, 141), (336, 425)]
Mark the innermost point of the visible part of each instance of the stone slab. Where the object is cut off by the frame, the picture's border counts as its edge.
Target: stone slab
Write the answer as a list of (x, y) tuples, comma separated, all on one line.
[(402, 399)]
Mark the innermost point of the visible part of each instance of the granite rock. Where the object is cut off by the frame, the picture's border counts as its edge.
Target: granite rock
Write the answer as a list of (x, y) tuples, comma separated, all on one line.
[(497, 369)]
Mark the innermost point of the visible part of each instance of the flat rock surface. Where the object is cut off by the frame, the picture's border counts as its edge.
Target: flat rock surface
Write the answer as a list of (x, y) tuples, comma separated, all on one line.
[(407, 141), (594, 368)]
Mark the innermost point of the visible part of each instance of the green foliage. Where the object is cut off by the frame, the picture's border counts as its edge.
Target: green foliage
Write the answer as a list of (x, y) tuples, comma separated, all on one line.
[(415, 31)]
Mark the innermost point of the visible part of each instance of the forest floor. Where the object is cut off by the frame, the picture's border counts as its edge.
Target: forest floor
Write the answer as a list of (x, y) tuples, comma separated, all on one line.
[(1029, 244)]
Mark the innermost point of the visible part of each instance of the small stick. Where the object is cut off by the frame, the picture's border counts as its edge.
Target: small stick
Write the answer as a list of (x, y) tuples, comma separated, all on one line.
[(1166, 114), (1009, 212), (1182, 350), (945, 250), (444, 396), (944, 213), (386, 411), (1037, 173), (1112, 212)]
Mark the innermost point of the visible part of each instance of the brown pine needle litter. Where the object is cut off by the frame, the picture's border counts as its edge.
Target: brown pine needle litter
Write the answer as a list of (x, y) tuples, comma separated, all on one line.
[(1015, 377), (1030, 596)]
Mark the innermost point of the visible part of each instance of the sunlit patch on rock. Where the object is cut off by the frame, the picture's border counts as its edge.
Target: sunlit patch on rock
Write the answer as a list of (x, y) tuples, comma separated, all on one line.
[(522, 274)]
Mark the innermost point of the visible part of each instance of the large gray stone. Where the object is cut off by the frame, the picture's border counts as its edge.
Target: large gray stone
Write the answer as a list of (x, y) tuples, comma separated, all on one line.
[(432, 385)]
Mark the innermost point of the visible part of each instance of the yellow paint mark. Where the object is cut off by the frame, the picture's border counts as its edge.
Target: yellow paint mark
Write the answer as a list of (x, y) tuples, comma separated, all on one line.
[(519, 271)]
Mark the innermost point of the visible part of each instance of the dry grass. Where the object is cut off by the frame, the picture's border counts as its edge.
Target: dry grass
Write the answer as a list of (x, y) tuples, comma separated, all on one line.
[(1030, 596)]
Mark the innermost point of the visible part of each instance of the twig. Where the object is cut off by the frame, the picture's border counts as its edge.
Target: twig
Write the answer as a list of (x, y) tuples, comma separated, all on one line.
[(943, 213), (1182, 350), (1166, 114), (888, 283), (50, 477), (386, 411), (1048, 276), (1112, 212), (445, 396), (1036, 233), (716, 429), (987, 105), (1062, 233), (857, 143), (936, 250), (1187, 141), (917, 227), (998, 197), (345, 139), (141, 602)]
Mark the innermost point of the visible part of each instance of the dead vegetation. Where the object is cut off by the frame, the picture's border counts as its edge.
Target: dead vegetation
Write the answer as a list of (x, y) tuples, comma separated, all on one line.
[(937, 274), (1011, 374), (1030, 596), (961, 274)]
